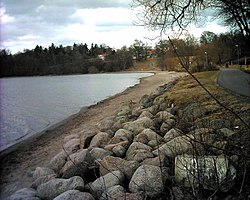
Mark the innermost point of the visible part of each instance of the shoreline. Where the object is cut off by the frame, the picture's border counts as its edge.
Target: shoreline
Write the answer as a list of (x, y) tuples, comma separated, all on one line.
[(38, 151), (27, 139)]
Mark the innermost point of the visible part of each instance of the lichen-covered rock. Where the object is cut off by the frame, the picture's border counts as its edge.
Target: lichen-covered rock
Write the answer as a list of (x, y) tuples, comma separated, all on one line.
[(99, 153), (74, 195), (58, 161), (138, 152), (86, 136), (124, 135), (172, 133), (163, 116), (149, 179), (42, 171), (160, 161), (119, 149), (114, 192), (111, 163), (167, 125), (25, 194), (146, 101), (106, 124), (72, 146), (139, 125), (100, 140), (176, 146), (148, 135), (42, 179), (146, 113), (55, 187), (107, 181)]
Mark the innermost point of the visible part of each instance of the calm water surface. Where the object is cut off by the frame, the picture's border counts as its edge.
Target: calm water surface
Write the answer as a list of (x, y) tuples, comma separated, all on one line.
[(31, 104)]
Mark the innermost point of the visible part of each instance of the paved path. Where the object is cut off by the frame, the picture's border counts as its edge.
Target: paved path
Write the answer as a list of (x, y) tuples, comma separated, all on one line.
[(235, 80)]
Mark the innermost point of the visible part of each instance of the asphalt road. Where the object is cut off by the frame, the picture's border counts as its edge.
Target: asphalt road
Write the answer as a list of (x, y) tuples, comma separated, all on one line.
[(235, 80)]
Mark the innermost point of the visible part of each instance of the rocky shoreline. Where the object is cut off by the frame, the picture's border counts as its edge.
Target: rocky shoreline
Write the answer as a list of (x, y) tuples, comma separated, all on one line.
[(143, 151)]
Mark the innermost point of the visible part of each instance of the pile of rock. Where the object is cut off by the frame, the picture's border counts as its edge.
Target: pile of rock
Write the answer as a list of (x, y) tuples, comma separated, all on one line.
[(134, 155)]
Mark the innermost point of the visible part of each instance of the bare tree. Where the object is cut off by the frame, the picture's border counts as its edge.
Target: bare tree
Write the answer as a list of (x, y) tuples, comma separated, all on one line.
[(165, 14)]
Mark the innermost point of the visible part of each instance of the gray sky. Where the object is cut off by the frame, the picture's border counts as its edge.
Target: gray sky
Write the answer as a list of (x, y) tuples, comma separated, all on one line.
[(26, 23)]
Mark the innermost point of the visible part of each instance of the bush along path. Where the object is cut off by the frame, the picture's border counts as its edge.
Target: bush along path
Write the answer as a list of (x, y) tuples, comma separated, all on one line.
[(152, 149)]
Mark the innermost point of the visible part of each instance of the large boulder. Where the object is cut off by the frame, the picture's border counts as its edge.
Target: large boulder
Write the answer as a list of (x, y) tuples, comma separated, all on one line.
[(146, 113), (212, 172), (119, 149), (25, 194), (74, 195), (111, 163), (114, 192), (72, 146), (148, 179), (139, 125), (167, 125), (99, 153), (100, 140), (176, 146), (55, 187), (107, 181), (163, 116), (106, 124), (148, 135), (138, 152), (86, 136), (77, 164), (58, 161), (172, 133), (146, 101), (42, 179), (124, 134), (42, 171)]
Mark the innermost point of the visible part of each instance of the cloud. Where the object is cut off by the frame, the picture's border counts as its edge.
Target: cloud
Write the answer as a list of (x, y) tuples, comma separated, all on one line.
[(42, 22)]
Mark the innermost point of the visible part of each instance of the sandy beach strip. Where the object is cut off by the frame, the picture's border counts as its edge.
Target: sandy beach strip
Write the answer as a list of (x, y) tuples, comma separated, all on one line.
[(19, 161)]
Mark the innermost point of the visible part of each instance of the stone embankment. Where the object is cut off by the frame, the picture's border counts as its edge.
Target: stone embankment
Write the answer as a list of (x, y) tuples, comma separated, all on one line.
[(139, 153)]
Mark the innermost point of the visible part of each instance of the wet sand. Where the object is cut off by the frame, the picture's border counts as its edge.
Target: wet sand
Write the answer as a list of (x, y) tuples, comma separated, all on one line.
[(19, 161)]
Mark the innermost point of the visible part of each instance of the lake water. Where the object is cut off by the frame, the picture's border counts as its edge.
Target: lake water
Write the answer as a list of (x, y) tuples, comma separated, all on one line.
[(31, 104)]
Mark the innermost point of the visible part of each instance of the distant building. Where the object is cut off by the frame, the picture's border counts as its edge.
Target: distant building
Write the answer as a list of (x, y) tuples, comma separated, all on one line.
[(102, 56)]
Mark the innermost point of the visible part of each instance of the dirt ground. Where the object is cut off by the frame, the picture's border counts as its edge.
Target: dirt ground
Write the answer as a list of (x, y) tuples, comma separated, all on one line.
[(16, 167)]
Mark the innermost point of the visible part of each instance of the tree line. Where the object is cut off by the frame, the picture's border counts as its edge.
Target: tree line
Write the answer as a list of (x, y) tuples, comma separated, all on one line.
[(206, 53), (58, 60)]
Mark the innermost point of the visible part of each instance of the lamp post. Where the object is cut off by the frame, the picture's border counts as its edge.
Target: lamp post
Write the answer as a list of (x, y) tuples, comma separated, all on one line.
[(206, 58), (238, 53)]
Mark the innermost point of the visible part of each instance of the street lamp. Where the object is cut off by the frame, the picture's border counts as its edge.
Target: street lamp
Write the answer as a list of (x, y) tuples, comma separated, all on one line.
[(238, 53), (206, 59)]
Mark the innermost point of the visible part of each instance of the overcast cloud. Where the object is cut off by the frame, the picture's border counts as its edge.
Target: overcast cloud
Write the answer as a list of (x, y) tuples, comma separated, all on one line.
[(26, 23)]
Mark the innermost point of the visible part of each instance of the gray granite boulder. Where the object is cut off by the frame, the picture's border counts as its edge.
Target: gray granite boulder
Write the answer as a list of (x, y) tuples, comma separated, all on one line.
[(42, 171), (99, 153), (105, 182), (25, 194), (55, 187), (172, 133), (148, 179), (111, 163), (72, 146), (138, 152), (100, 140), (114, 192), (139, 125), (58, 161), (74, 195)]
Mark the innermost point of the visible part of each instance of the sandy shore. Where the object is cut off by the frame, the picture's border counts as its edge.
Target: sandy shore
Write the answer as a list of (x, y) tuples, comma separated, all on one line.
[(16, 167)]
